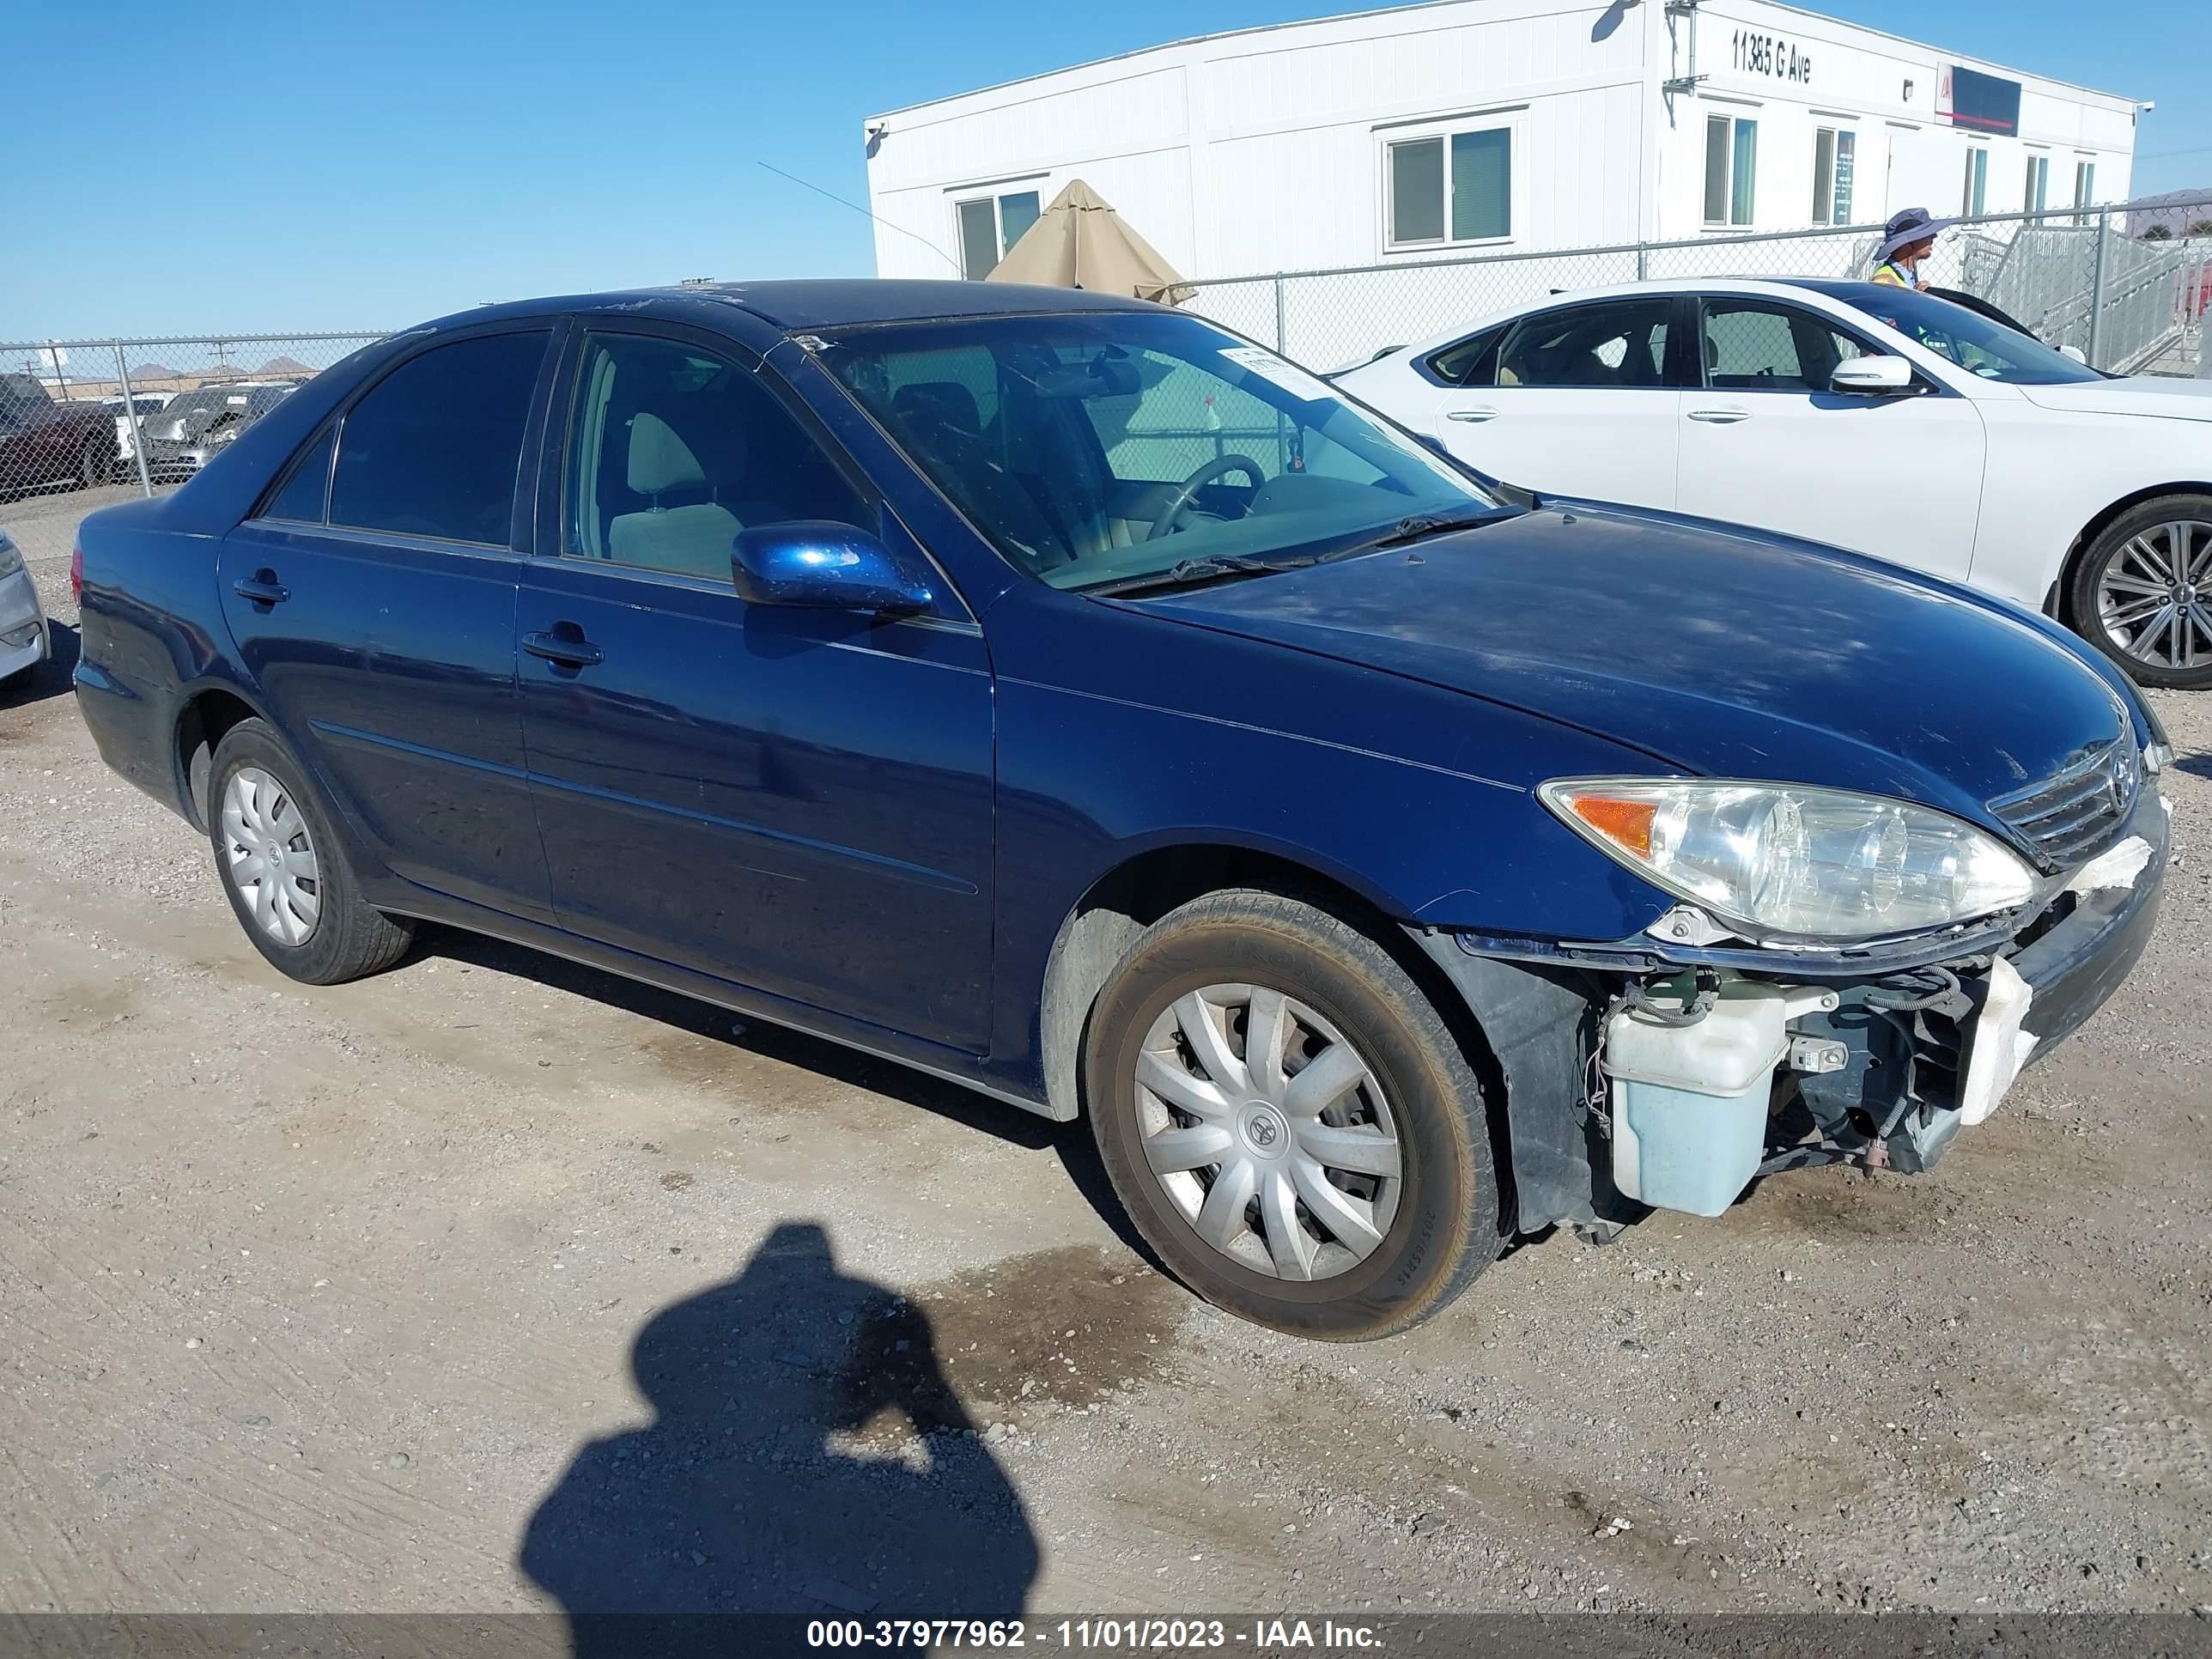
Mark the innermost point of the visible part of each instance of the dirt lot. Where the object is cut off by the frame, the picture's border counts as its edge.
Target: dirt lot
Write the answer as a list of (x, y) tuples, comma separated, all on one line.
[(494, 1283)]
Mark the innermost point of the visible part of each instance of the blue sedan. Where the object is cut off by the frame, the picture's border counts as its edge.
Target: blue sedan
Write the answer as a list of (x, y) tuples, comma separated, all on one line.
[(1059, 695)]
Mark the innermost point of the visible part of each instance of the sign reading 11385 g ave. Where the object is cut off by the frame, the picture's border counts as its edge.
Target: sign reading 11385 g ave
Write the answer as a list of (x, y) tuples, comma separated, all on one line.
[(1770, 54)]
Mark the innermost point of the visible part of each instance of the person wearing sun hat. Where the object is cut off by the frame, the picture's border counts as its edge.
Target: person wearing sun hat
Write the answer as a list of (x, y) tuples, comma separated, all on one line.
[(1907, 239)]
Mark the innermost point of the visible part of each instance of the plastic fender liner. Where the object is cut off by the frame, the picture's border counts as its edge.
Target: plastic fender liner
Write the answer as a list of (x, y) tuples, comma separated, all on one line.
[(1538, 1023)]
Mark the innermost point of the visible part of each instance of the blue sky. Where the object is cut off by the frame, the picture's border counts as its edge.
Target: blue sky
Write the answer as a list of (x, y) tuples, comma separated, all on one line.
[(332, 165)]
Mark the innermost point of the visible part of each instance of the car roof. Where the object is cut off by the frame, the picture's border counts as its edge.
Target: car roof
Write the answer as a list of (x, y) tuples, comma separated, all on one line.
[(1772, 288), (829, 302)]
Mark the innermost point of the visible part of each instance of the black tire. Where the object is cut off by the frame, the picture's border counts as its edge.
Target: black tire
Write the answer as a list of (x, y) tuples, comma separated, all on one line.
[(2109, 548), (93, 465), (348, 939), (1445, 1228)]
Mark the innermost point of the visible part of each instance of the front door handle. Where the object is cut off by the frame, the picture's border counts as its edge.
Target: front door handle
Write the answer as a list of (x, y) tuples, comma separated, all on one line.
[(1478, 412), (262, 588), (1720, 416), (566, 645)]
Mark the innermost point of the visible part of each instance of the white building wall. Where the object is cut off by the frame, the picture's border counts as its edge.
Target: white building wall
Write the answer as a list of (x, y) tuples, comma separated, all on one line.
[(1263, 150), (1806, 72)]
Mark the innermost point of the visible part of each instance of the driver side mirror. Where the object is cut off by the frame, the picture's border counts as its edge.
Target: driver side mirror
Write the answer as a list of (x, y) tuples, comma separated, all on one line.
[(1873, 377), (823, 566)]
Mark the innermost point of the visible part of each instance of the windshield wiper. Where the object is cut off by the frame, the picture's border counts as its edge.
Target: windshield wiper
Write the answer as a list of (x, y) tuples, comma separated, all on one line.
[(1192, 573), (1420, 525)]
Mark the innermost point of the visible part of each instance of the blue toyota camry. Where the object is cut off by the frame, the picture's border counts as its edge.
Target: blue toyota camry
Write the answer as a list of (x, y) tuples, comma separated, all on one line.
[(1062, 696)]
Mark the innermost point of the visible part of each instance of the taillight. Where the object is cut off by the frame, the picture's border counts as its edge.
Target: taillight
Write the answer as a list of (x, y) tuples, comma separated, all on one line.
[(77, 575)]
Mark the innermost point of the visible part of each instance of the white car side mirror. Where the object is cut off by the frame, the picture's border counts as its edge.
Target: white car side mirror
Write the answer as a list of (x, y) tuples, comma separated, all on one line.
[(1872, 377), (2074, 353)]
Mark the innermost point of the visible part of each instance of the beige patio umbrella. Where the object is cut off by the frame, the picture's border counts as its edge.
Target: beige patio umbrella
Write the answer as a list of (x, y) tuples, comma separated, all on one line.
[(1080, 242)]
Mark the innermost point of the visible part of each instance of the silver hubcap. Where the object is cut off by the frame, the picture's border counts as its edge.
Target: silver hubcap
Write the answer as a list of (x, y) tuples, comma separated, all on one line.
[(1267, 1132), (2155, 596), (267, 857)]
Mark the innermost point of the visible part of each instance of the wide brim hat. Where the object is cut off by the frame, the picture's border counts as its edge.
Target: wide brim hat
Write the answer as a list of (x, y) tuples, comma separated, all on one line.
[(1913, 225)]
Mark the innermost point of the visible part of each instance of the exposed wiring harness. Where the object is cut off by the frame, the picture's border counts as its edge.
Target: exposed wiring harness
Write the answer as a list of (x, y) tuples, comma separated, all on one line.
[(1910, 992), (1640, 1005)]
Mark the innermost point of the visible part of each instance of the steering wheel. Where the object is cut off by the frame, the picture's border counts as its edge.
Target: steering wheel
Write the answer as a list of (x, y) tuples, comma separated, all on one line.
[(1170, 519)]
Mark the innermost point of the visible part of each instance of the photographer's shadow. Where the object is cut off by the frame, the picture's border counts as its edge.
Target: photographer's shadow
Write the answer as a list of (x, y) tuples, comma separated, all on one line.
[(733, 1499)]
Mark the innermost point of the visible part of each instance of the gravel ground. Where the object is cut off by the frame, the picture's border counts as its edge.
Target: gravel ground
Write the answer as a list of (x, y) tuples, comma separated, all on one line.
[(495, 1283)]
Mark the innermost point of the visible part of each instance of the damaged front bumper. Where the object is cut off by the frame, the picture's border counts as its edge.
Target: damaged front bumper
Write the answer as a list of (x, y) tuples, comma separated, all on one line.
[(1925, 1038)]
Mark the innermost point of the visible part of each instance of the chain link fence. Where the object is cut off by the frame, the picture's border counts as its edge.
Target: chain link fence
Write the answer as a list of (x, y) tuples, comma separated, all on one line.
[(2105, 281), (86, 422)]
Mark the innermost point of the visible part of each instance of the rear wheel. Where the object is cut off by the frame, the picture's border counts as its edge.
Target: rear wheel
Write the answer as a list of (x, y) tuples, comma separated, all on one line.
[(2142, 591), (283, 870), (1289, 1121), (91, 467)]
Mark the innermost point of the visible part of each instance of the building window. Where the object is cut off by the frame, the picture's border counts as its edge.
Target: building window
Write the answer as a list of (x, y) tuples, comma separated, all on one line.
[(1835, 165), (2085, 189), (2039, 184), (989, 227), (1976, 199), (1452, 187), (1731, 169)]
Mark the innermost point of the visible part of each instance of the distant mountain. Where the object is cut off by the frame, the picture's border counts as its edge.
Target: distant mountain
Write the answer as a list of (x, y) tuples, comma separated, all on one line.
[(153, 372), (2177, 211), (284, 366)]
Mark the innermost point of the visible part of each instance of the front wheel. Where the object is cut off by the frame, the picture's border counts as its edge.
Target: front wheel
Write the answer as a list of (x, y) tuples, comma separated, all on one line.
[(283, 871), (1289, 1120), (2142, 591)]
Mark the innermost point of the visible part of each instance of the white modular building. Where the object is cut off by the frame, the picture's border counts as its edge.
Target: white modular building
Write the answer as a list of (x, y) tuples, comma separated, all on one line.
[(1490, 126)]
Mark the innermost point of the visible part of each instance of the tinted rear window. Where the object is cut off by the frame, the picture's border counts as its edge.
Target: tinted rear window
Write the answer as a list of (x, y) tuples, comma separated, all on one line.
[(432, 450)]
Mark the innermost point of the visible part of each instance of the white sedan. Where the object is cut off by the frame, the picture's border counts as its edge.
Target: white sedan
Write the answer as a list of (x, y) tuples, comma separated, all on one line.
[(1872, 418)]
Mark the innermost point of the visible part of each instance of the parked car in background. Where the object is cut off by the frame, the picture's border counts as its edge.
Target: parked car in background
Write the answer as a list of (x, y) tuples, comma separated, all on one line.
[(1871, 417), (23, 642), (144, 406), (197, 425), (44, 440), (1063, 696)]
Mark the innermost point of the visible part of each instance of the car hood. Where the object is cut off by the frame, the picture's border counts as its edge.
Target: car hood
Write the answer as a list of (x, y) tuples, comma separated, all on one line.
[(1712, 648), (2134, 394)]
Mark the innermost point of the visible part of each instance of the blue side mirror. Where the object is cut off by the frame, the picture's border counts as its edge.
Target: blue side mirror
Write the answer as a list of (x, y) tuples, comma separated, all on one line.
[(827, 566)]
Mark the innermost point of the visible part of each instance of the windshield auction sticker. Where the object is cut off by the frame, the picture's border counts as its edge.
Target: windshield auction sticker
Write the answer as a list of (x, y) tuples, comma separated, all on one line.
[(1270, 368)]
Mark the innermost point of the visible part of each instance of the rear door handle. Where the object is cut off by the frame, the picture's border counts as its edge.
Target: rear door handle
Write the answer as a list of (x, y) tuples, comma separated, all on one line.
[(1478, 412), (263, 588), (566, 645), (1720, 416)]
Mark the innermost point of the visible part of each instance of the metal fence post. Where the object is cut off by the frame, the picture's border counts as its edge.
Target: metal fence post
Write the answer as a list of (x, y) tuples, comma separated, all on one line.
[(1282, 337), (2097, 286), (130, 414), (1643, 262)]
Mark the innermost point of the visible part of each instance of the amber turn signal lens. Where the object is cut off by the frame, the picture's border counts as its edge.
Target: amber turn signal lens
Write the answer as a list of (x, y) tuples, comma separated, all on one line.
[(1626, 823)]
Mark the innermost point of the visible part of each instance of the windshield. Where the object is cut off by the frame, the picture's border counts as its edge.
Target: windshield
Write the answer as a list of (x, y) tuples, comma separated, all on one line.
[(203, 400), (1975, 343), (21, 391), (1096, 447)]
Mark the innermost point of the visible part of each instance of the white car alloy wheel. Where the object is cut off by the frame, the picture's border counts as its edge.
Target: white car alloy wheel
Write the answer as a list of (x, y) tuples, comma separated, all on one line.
[(2154, 595), (269, 859)]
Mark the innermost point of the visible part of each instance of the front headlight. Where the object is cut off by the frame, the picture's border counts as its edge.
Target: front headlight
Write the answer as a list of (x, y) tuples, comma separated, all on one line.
[(1797, 864), (11, 561)]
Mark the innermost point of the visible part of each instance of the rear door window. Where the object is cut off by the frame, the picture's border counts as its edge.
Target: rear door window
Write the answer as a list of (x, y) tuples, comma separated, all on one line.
[(432, 449), (1621, 343)]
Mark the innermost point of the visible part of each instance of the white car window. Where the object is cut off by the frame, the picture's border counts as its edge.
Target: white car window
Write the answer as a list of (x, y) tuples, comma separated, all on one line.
[(1622, 343)]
